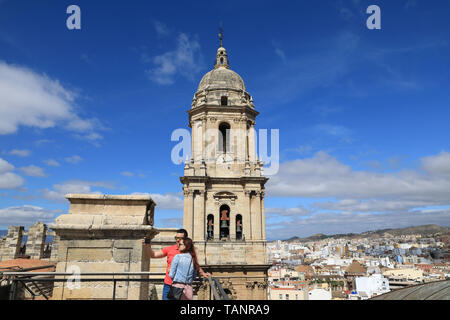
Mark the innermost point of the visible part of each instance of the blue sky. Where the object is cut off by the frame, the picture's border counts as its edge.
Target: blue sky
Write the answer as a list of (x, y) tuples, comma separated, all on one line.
[(363, 114)]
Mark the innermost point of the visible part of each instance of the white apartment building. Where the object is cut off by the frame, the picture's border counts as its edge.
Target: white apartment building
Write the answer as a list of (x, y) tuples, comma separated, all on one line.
[(319, 294), (367, 287), (287, 294)]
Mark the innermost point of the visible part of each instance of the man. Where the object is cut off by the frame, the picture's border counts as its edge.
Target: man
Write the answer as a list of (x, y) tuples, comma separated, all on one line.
[(170, 252)]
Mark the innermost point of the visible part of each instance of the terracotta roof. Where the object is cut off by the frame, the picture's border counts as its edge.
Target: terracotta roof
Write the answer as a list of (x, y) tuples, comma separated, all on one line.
[(302, 268), (356, 267), (284, 289), (19, 264)]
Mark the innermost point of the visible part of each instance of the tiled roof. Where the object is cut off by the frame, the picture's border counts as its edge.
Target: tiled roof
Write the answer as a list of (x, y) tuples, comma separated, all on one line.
[(439, 290), (356, 267), (19, 264), (303, 268)]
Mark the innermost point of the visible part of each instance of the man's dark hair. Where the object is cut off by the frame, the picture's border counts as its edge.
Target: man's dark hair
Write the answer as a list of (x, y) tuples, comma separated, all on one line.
[(184, 232)]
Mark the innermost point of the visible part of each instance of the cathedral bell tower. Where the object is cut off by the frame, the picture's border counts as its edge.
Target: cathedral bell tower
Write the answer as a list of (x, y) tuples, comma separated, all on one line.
[(223, 184)]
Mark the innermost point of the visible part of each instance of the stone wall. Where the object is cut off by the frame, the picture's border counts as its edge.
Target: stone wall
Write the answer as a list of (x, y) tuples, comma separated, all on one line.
[(102, 255), (103, 234), (36, 240), (12, 242)]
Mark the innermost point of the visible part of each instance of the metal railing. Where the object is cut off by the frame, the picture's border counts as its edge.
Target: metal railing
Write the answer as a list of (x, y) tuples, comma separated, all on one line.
[(217, 290), (36, 281)]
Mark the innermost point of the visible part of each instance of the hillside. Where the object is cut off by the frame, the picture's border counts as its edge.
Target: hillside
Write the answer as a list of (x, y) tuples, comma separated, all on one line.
[(424, 231)]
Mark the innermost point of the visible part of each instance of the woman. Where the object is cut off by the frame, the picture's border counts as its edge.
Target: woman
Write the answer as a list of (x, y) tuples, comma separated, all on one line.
[(184, 267)]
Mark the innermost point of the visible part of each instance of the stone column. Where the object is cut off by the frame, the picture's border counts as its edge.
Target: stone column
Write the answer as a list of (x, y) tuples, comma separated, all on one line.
[(263, 215), (233, 224), (55, 246), (199, 216), (251, 142), (247, 216), (13, 242), (36, 240), (188, 214), (198, 141), (242, 156), (256, 216), (203, 138), (216, 221)]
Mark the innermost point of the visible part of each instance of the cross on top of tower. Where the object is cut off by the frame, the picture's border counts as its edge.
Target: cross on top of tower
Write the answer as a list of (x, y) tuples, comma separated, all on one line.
[(221, 57)]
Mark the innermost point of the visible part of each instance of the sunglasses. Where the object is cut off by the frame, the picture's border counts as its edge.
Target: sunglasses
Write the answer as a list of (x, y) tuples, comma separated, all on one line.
[(179, 238)]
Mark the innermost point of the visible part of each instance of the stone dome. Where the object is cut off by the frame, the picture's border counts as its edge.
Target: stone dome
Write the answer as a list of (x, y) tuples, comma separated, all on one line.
[(222, 86), (221, 78)]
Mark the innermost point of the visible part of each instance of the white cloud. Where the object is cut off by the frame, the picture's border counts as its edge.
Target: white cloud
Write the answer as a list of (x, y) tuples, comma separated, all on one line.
[(34, 100), (172, 223), (127, 174), (438, 165), (5, 166), (184, 60), (161, 29), (296, 211), (323, 176), (26, 215), (168, 201), (51, 163), (356, 201), (73, 159), (20, 153), (73, 186), (336, 131), (8, 179), (33, 171)]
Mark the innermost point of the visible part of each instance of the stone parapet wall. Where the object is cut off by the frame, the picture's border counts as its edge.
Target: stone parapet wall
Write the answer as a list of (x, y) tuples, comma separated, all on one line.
[(36, 240), (103, 234), (12, 242)]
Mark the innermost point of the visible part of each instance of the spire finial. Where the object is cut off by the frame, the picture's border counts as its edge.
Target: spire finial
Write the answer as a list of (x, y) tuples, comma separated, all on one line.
[(220, 35)]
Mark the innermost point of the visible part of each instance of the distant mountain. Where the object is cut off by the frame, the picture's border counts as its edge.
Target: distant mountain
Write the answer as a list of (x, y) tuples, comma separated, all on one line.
[(424, 231)]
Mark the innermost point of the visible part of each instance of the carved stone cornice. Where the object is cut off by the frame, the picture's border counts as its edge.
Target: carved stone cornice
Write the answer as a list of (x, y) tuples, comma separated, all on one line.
[(249, 285), (219, 180), (187, 192), (246, 109)]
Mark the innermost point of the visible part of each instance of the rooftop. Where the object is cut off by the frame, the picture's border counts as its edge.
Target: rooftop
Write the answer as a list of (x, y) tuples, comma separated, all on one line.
[(438, 290)]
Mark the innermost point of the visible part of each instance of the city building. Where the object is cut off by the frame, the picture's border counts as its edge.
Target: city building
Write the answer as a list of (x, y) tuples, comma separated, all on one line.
[(368, 287)]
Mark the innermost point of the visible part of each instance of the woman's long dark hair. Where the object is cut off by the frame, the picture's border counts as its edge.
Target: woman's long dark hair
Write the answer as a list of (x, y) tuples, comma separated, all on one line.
[(189, 244)]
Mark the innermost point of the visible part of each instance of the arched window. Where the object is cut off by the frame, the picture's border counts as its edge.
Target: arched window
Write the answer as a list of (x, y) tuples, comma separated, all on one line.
[(224, 101), (210, 227), (224, 221), (224, 130), (239, 227)]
